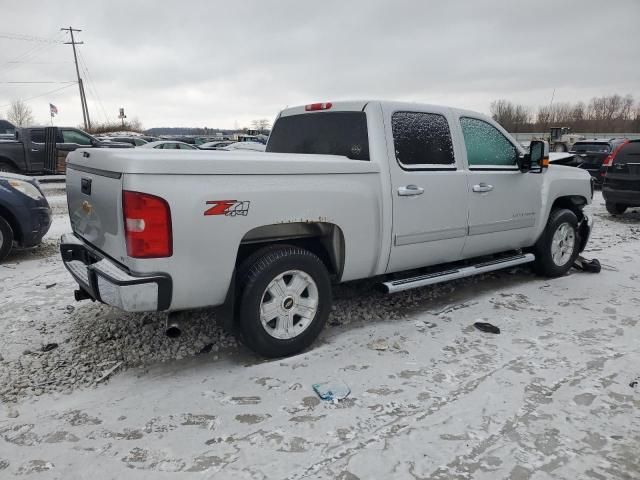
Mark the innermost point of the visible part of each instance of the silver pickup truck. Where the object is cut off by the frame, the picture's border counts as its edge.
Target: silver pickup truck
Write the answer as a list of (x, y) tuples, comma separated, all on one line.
[(411, 194)]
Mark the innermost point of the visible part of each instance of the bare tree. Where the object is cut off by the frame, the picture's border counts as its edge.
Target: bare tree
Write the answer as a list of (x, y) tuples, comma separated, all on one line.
[(511, 116), (261, 124), (20, 114)]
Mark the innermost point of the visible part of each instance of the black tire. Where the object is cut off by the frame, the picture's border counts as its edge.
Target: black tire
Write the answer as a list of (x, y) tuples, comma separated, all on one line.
[(615, 208), (254, 276), (6, 238), (544, 263), (7, 167)]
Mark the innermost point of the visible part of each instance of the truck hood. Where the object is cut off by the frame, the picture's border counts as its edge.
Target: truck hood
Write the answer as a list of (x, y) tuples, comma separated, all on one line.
[(213, 162)]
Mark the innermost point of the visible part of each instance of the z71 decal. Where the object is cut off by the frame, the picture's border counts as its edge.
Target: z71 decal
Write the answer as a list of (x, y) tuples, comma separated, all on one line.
[(229, 208)]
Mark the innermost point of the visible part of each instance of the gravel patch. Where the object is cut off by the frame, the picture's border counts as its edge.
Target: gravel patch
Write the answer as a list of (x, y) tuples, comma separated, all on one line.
[(100, 347)]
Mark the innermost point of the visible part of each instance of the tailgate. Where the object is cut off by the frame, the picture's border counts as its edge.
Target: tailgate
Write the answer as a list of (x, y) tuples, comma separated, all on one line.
[(624, 173), (95, 208)]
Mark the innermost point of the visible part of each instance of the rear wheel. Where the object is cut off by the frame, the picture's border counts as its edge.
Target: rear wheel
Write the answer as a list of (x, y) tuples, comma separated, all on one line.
[(615, 208), (6, 238), (7, 167), (285, 299), (557, 249)]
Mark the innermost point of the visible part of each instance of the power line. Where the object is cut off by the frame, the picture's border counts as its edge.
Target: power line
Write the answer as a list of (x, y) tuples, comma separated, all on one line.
[(28, 38), (41, 95), (92, 86), (26, 83), (31, 53)]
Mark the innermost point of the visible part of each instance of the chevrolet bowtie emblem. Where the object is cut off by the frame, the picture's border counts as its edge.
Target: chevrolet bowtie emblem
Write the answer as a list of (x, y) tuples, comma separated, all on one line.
[(86, 207)]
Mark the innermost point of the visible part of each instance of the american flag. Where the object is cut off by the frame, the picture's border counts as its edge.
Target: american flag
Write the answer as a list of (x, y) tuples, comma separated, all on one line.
[(53, 109)]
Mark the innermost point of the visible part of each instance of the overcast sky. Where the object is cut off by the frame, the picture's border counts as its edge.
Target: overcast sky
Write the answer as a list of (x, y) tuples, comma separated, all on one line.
[(221, 64)]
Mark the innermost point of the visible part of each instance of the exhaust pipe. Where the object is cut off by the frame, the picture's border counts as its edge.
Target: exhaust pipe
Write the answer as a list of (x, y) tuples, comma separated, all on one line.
[(173, 328)]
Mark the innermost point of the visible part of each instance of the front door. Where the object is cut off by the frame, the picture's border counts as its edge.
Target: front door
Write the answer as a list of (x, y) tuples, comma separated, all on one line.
[(504, 203), (429, 189)]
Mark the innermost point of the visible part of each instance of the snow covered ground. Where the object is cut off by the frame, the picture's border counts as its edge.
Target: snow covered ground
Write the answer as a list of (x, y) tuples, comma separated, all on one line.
[(552, 396)]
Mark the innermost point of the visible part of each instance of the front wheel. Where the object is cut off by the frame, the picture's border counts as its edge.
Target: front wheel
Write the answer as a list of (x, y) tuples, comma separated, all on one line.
[(615, 208), (557, 249), (7, 167), (285, 299)]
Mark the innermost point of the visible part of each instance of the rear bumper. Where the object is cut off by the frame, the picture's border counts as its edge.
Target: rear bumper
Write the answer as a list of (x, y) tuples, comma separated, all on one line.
[(630, 198), (106, 281)]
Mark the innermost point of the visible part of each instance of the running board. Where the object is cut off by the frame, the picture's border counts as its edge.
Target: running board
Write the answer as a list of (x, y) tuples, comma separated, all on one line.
[(455, 273)]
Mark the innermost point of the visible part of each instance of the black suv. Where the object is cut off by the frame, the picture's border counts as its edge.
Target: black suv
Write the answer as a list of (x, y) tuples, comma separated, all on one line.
[(621, 177), (592, 153)]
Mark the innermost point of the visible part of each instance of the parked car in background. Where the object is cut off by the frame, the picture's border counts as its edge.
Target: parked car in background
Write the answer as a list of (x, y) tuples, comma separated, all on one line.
[(252, 146), (169, 145), (621, 177), (217, 145), (593, 152), (135, 141), (26, 152), (25, 215)]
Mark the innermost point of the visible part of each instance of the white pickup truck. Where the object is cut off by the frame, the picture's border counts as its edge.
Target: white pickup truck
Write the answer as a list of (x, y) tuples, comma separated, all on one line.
[(411, 194)]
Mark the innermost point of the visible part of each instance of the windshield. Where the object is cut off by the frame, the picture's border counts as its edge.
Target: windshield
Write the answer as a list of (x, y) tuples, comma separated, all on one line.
[(327, 133), (591, 148)]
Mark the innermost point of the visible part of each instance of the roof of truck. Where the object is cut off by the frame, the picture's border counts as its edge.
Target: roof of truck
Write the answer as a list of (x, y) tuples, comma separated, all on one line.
[(359, 105)]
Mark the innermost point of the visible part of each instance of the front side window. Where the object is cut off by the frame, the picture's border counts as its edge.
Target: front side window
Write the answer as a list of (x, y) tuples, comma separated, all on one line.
[(71, 136), (422, 139), (486, 145)]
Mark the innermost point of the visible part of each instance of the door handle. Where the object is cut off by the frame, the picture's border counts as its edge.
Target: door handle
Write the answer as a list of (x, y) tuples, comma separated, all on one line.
[(483, 187), (410, 190), (35, 150)]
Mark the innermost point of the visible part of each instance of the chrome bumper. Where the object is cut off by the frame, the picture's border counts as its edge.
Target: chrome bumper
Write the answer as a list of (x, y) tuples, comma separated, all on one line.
[(108, 282)]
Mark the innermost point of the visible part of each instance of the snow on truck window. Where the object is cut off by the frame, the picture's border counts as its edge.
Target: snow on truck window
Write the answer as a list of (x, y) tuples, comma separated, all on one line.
[(486, 145), (422, 139), (326, 133)]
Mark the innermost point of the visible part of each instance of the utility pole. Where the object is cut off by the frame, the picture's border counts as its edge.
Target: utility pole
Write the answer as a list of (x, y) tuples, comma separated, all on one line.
[(83, 98)]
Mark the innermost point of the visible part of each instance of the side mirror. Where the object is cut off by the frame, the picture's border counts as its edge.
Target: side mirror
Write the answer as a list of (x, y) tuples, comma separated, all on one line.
[(534, 159)]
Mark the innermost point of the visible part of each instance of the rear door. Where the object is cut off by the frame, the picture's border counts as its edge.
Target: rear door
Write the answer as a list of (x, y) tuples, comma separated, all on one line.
[(35, 149), (504, 203), (429, 188)]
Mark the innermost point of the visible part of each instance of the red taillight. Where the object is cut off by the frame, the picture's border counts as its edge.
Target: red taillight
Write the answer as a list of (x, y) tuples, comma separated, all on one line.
[(318, 106), (147, 225), (612, 156)]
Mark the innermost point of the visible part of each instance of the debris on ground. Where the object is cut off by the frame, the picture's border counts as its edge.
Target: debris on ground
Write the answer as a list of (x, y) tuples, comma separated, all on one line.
[(634, 384), (332, 391), (486, 327), (591, 266), (49, 346), (51, 285), (108, 373), (379, 344)]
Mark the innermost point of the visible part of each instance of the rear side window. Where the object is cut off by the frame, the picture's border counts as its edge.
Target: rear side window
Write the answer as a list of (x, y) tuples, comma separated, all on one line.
[(422, 139), (37, 135), (486, 145), (326, 133), (591, 148)]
